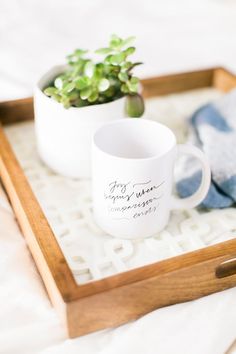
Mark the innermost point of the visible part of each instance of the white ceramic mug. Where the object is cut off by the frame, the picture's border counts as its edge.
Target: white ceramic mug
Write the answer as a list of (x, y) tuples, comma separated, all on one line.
[(132, 169)]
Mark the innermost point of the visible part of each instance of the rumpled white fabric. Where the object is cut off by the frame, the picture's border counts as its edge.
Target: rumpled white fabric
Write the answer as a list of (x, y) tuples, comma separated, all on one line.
[(172, 36), (28, 323)]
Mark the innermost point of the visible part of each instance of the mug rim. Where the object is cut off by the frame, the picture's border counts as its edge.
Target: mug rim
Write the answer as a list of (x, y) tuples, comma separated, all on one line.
[(123, 121)]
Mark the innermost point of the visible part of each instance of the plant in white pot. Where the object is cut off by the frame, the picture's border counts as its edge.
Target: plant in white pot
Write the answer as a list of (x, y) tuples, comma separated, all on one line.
[(72, 101)]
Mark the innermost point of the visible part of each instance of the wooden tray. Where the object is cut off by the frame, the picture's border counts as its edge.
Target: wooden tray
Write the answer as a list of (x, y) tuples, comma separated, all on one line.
[(120, 298)]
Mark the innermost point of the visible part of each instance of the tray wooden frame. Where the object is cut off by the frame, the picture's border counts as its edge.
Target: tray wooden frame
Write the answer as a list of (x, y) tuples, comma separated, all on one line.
[(120, 298)]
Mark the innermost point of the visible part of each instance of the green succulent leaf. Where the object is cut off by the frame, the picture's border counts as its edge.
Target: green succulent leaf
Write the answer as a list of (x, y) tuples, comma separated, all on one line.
[(133, 88), (133, 84), (123, 76), (58, 83), (117, 58), (124, 88), (74, 95), (89, 69), (66, 102), (109, 93), (85, 93), (128, 41), (134, 106), (86, 82), (50, 91), (93, 97), (104, 51), (126, 65), (134, 80), (103, 85), (56, 97), (82, 82), (129, 51), (80, 52), (80, 103), (115, 42), (68, 87)]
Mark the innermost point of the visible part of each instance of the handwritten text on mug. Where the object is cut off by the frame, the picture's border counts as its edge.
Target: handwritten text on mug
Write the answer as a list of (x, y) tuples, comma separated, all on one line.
[(132, 200)]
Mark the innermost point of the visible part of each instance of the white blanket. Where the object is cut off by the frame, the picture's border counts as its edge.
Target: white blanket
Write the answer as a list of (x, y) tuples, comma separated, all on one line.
[(171, 36)]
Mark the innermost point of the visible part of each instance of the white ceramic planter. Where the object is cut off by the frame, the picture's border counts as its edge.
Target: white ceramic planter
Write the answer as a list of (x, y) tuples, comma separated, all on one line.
[(64, 135)]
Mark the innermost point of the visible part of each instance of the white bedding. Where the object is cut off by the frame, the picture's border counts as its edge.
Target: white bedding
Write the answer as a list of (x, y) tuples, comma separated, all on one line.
[(171, 36)]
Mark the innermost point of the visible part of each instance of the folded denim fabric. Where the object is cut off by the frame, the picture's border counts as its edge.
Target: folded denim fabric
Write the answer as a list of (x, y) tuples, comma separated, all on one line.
[(213, 129)]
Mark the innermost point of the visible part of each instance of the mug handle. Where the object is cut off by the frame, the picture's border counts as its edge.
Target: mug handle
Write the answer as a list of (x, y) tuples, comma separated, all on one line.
[(199, 195)]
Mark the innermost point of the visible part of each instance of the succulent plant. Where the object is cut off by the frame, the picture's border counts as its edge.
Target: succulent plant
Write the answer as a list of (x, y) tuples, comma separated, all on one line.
[(85, 82)]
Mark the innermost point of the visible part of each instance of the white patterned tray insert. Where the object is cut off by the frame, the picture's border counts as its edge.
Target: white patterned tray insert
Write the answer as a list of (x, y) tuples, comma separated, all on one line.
[(91, 253)]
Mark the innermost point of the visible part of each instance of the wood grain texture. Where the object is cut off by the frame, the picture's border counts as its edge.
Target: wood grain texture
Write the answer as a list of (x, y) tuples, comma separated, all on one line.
[(224, 80), (32, 220), (163, 85), (16, 110), (133, 300), (117, 299)]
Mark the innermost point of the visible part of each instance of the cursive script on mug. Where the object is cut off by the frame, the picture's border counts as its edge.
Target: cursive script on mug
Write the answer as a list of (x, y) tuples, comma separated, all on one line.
[(126, 200)]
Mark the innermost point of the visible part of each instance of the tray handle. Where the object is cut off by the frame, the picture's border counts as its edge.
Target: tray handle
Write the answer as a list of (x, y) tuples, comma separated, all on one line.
[(226, 268)]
